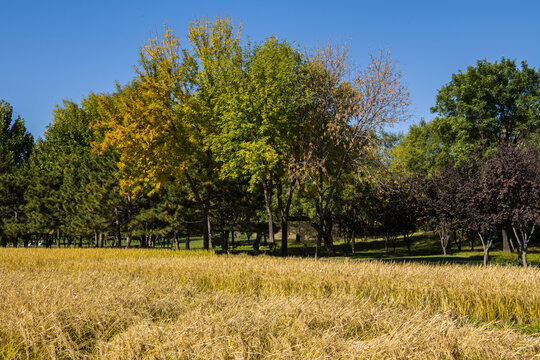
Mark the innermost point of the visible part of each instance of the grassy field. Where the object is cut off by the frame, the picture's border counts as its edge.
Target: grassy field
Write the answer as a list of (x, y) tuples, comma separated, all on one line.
[(160, 304)]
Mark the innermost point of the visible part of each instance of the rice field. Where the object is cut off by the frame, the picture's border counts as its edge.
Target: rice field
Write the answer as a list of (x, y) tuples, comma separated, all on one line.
[(160, 304)]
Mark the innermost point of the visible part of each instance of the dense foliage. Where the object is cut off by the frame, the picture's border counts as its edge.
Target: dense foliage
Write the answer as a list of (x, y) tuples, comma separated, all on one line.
[(217, 137)]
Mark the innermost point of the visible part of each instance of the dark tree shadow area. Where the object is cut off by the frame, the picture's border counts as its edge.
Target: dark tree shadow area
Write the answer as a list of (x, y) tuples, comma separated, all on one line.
[(425, 249)]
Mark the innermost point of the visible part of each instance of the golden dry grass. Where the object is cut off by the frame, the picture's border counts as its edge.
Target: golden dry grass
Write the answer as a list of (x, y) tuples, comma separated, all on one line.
[(143, 304)]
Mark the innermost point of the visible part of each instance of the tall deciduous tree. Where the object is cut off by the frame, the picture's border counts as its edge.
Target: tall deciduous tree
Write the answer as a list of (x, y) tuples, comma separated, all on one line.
[(261, 124), (160, 123), (482, 211), (446, 202), (513, 176), (346, 110), (489, 104), (480, 108)]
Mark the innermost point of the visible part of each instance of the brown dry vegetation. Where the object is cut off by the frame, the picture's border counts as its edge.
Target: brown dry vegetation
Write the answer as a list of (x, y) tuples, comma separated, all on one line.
[(143, 304)]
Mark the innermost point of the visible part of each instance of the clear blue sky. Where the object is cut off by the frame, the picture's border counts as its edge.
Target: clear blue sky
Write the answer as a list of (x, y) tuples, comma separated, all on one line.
[(54, 50)]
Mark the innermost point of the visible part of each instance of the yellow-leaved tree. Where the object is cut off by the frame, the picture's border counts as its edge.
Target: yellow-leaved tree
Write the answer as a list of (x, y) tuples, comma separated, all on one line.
[(160, 122)]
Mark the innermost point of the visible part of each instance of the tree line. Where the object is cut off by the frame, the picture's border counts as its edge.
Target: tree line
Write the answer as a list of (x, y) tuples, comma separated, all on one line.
[(218, 136)]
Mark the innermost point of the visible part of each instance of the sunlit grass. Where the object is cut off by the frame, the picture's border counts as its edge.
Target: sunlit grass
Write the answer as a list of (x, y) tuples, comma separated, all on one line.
[(71, 303)]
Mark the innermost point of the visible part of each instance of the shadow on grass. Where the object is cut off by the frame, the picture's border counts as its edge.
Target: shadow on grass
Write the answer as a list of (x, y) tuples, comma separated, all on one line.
[(425, 249), (437, 259)]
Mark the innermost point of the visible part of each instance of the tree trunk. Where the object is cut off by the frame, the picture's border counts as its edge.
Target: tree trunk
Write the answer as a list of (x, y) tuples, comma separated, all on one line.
[(506, 244), (175, 240), (207, 229), (353, 245), (225, 242), (408, 243), (205, 207), (444, 235), (319, 235), (523, 242), (457, 239), (511, 243), (519, 255), (267, 187), (347, 238), (284, 236), (117, 234), (256, 243), (284, 212), (128, 222), (144, 242), (320, 225), (487, 241), (519, 247), (327, 236)]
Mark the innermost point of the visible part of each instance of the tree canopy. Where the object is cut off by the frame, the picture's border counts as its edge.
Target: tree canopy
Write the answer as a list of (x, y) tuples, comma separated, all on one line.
[(16, 145), (479, 109)]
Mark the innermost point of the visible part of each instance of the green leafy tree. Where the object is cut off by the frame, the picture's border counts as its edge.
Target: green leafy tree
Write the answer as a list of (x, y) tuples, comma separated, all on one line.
[(490, 104), (15, 141), (180, 209), (260, 125), (424, 149), (160, 123), (43, 193), (16, 145), (73, 191), (479, 109)]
